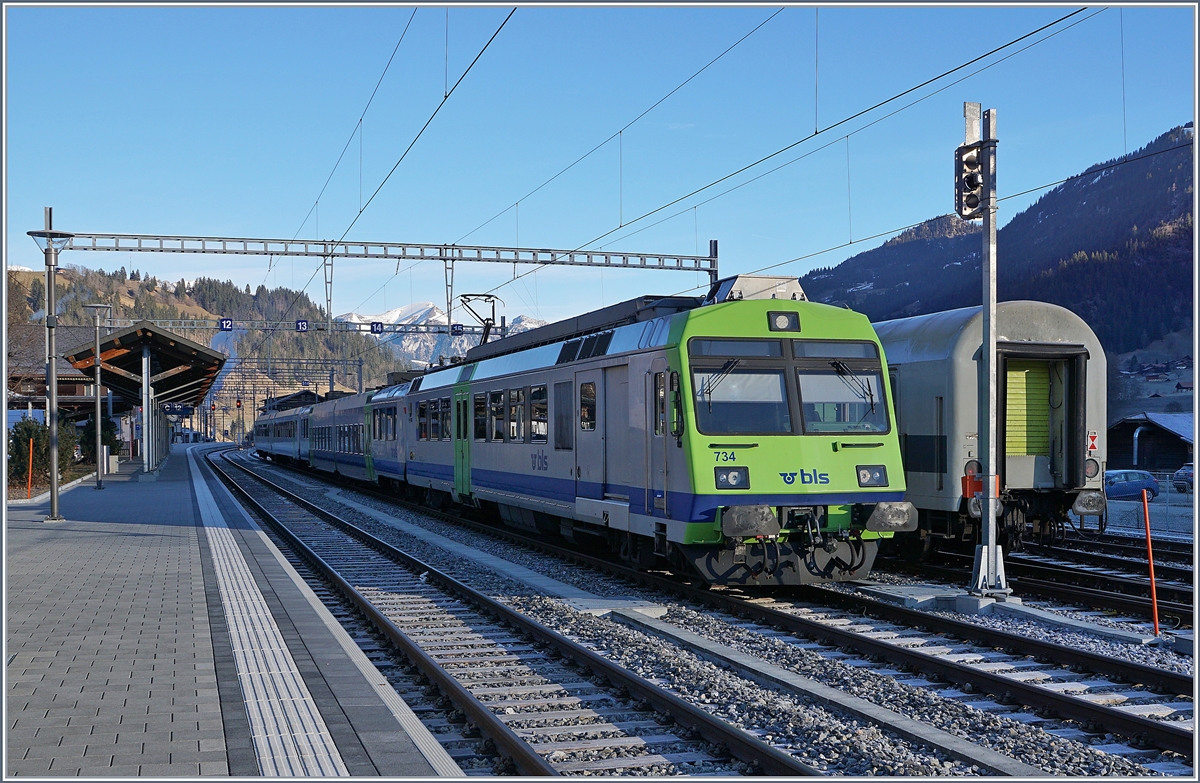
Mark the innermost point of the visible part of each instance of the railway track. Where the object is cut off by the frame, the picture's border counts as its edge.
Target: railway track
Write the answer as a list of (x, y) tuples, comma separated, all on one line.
[(550, 705), (1003, 666), (1134, 566), (1164, 551), (1130, 605), (1101, 589)]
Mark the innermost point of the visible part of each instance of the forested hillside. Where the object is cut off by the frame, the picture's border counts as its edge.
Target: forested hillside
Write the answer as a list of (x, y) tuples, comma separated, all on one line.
[(1114, 245)]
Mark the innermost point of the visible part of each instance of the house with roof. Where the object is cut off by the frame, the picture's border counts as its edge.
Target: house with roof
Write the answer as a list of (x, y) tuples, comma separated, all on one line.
[(1157, 442)]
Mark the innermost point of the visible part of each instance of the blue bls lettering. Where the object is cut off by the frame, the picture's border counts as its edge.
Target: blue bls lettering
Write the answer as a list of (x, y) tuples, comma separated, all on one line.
[(813, 477)]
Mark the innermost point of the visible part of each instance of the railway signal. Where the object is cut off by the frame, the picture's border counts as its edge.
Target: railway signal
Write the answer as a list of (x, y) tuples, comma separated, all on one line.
[(968, 182)]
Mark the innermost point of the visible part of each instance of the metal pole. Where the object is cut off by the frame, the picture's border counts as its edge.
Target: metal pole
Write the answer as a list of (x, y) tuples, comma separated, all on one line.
[(99, 427), (988, 578), (101, 465), (360, 382), (52, 369), (144, 440)]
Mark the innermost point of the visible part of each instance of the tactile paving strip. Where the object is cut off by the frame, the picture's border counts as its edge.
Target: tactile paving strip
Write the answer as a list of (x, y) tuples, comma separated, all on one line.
[(290, 737)]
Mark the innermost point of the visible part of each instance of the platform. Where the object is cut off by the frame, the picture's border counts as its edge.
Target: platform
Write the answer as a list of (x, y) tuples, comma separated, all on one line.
[(158, 632)]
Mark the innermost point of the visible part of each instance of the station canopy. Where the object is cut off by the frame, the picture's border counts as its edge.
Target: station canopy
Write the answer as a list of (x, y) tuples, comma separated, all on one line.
[(181, 371)]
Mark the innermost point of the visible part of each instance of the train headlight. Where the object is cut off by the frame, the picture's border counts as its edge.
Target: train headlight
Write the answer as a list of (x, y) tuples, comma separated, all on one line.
[(783, 322), (1089, 503), (1091, 468), (872, 476), (733, 478), (972, 468), (894, 517)]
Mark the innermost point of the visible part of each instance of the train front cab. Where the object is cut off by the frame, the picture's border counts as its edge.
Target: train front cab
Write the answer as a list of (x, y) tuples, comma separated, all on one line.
[(792, 460)]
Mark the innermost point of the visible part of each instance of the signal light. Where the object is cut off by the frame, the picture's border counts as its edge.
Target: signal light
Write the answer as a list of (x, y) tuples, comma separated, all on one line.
[(214, 406), (968, 182), (239, 403)]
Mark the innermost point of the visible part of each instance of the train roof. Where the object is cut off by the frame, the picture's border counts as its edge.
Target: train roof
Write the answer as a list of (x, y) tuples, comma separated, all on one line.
[(641, 309), (936, 336)]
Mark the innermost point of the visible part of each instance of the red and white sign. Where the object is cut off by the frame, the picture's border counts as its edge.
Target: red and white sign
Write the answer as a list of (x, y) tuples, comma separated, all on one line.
[(1091, 441)]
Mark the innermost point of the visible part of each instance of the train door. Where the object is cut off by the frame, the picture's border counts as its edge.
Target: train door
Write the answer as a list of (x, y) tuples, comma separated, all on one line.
[(618, 473), (656, 436), (462, 442), (589, 450)]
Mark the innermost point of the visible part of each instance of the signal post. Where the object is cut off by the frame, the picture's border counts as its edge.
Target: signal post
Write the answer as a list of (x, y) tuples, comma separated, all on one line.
[(975, 198)]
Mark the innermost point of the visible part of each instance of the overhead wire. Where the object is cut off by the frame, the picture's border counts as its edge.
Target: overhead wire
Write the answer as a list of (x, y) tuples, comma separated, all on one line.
[(1089, 173), (856, 131), (840, 122), (625, 127), (392, 171)]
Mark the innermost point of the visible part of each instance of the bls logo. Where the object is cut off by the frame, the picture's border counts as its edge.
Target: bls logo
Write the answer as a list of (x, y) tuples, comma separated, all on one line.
[(540, 460), (806, 477)]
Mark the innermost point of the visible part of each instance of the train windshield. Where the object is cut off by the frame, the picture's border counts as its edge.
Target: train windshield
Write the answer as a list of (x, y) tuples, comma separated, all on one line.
[(841, 387), (733, 400)]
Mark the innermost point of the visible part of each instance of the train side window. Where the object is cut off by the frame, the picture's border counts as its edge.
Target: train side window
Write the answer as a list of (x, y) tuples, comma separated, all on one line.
[(660, 403), (564, 410), (422, 420), (395, 426), (435, 420), (496, 416), (587, 406), (445, 416), (481, 414), (516, 416), (538, 424)]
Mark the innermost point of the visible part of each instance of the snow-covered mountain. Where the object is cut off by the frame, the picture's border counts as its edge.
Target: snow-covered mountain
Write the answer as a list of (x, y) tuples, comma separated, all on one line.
[(421, 349)]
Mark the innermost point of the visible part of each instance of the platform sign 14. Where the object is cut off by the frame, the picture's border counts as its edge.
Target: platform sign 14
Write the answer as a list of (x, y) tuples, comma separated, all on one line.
[(301, 325), (225, 324), (377, 327)]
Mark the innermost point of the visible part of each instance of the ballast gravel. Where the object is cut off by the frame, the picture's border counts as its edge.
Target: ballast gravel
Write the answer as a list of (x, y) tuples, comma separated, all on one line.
[(837, 748), (821, 738)]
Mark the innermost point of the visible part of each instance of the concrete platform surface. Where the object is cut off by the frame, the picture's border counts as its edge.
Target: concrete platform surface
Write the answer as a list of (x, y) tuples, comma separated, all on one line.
[(158, 632)]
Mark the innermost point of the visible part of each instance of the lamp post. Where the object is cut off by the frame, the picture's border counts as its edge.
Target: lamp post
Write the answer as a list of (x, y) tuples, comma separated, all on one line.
[(96, 308), (51, 241)]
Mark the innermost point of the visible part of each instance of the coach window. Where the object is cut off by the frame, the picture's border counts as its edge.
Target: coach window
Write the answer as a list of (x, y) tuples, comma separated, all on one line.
[(564, 410), (481, 423), (538, 423), (422, 420), (392, 423), (435, 419), (496, 416), (516, 416), (587, 406), (445, 415)]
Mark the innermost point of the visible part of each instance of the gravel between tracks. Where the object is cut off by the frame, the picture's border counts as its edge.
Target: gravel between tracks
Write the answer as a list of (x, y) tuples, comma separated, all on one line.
[(842, 746)]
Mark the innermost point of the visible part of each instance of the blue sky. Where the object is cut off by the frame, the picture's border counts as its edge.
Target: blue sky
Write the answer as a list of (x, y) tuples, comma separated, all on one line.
[(227, 122)]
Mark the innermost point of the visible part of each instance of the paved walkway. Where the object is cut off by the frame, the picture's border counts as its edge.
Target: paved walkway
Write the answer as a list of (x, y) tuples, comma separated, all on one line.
[(148, 635)]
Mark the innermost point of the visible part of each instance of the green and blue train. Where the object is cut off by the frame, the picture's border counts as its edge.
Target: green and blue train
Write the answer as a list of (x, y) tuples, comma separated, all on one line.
[(747, 436)]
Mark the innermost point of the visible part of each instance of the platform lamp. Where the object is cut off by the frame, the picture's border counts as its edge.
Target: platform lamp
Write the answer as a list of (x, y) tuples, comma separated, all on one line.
[(51, 241), (96, 308)]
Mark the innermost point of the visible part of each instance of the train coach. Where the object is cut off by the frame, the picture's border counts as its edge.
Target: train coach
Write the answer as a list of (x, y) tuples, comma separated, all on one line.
[(747, 436), (1051, 408)]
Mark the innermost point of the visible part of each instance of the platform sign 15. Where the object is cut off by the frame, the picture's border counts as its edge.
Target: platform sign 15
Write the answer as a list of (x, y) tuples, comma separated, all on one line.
[(301, 325), (377, 327), (225, 324), (456, 329)]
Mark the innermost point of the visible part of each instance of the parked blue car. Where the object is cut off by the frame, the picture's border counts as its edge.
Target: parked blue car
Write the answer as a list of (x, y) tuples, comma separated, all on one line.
[(1128, 484)]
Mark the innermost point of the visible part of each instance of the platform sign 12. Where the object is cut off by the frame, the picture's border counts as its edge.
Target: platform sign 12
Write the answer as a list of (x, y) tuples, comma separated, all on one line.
[(301, 325), (225, 324)]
